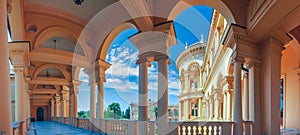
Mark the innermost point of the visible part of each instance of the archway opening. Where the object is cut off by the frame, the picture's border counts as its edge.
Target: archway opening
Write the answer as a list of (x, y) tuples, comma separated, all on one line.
[(40, 114)]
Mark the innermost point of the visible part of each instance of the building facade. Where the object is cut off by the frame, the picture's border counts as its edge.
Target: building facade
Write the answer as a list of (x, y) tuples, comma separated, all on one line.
[(249, 74)]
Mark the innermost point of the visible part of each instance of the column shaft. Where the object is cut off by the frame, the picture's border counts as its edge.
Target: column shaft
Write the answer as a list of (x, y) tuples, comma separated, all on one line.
[(93, 101), (100, 99), (224, 106), (19, 97), (255, 97), (163, 96), (216, 108), (246, 97), (270, 84), (52, 108), (143, 98), (200, 107), (62, 107), (237, 105), (5, 98)]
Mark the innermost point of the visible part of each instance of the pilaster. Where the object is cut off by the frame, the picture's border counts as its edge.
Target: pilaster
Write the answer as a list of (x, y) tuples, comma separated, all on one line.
[(270, 75)]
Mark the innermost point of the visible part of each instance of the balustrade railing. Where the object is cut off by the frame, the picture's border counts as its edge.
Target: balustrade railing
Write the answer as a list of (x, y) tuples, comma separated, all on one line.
[(129, 127), (83, 123), (201, 127)]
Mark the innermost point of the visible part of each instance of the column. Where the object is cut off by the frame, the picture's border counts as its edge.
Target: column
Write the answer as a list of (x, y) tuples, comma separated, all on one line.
[(224, 106), (52, 107), (100, 98), (57, 104), (93, 101), (185, 113), (246, 97), (74, 97), (180, 109), (237, 101), (187, 82), (5, 117), (62, 105), (211, 108), (254, 96), (19, 95), (216, 109), (143, 97), (200, 107), (270, 86), (162, 94)]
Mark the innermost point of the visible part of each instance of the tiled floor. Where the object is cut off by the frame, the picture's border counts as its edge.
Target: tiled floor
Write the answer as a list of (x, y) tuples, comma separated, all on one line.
[(53, 128), (290, 132)]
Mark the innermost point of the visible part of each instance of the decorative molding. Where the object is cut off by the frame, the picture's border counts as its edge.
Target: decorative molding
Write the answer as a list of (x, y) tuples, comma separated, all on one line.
[(194, 52), (253, 62), (237, 58), (257, 9), (143, 61), (140, 12)]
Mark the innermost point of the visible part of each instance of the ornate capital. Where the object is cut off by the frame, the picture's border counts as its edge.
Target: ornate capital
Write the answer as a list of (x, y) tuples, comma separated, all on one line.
[(237, 58), (143, 61), (18, 69), (253, 63), (274, 44)]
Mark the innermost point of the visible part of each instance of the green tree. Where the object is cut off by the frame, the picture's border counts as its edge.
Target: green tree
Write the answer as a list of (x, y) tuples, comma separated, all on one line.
[(113, 111), (155, 111), (127, 113), (83, 114)]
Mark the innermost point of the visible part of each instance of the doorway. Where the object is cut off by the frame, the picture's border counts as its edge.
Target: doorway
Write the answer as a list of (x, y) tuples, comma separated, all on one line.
[(40, 114)]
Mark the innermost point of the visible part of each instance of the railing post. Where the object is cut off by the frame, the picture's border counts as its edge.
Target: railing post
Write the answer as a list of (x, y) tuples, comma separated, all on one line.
[(132, 128)]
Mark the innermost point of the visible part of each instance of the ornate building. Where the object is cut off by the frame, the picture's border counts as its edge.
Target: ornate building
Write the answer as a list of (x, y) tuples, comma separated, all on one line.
[(189, 64), (247, 81)]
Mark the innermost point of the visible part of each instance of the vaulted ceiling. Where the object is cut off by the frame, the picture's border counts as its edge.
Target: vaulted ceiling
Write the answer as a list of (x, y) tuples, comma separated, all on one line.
[(86, 11)]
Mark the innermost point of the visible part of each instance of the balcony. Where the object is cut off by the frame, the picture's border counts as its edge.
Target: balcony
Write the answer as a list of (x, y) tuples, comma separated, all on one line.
[(130, 127)]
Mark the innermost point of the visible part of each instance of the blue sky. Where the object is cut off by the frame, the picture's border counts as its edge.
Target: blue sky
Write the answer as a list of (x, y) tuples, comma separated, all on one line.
[(122, 78)]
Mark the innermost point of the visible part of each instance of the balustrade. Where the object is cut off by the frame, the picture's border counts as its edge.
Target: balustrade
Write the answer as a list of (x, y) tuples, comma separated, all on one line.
[(129, 127), (201, 127)]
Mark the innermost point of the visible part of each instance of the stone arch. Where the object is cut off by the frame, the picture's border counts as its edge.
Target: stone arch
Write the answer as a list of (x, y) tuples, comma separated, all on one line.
[(220, 6), (76, 73), (44, 66), (58, 31), (111, 36)]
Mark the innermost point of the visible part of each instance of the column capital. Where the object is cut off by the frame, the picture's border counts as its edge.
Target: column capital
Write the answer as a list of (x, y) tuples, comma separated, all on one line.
[(162, 57), (18, 69), (274, 44), (237, 35), (143, 61), (226, 82), (237, 58), (253, 62)]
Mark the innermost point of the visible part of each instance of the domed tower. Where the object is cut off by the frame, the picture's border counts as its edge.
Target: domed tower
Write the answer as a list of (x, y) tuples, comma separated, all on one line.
[(189, 64)]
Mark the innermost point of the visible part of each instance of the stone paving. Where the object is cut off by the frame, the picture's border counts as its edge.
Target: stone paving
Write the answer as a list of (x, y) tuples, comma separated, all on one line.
[(290, 132), (53, 128)]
